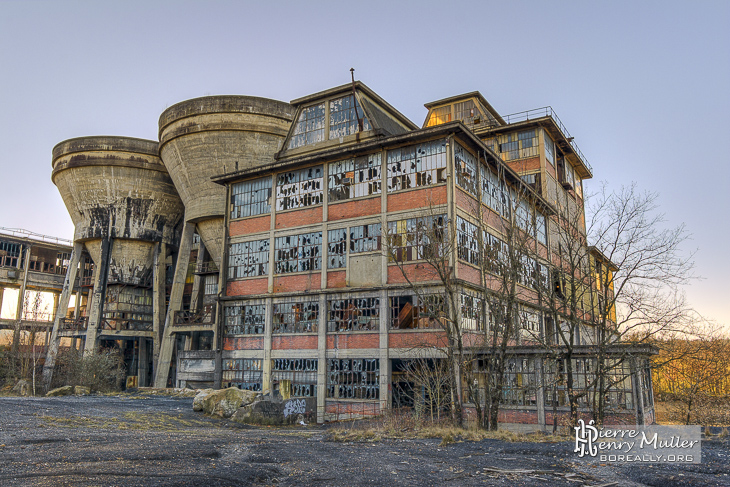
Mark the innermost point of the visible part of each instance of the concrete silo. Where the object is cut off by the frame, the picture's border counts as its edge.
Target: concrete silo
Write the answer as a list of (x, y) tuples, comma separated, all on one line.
[(126, 213), (199, 139)]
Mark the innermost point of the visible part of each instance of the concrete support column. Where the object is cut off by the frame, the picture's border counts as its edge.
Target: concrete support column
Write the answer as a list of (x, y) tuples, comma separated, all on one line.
[(54, 339), (159, 271), (21, 301), (638, 387), (539, 378), (143, 362), (101, 271), (197, 278), (322, 359), (268, 331), (385, 372), (2, 292), (56, 308), (176, 294)]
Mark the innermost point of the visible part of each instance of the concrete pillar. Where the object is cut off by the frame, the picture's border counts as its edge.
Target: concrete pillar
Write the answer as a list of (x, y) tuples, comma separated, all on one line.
[(384, 356), (197, 278), (53, 342), (21, 301), (2, 292), (322, 359), (176, 294), (97, 306), (268, 332), (159, 274), (539, 379), (143, 362), (56, 309)]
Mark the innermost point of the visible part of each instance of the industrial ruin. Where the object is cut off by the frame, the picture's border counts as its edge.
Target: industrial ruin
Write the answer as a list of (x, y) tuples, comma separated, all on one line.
[(288, 248)]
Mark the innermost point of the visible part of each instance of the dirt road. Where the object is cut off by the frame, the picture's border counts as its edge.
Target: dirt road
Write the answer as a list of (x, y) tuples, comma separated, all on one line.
[(144, 441)]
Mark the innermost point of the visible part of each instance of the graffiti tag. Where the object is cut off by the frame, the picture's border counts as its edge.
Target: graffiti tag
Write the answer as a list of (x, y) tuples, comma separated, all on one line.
[(295, 406)]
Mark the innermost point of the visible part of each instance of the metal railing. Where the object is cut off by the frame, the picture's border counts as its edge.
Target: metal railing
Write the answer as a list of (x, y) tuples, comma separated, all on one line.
[(70, 324), (548, 112), (207, 267), (203, 317), (19, 232), (125, 325)]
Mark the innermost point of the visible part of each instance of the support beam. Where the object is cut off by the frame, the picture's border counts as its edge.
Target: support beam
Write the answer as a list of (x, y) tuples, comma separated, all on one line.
[(176, 294), (99, 295), (159, 273), (21, 302), (54, 340)]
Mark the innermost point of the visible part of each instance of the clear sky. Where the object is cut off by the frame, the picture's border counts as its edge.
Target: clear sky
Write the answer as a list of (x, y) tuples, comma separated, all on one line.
[(643, 87)]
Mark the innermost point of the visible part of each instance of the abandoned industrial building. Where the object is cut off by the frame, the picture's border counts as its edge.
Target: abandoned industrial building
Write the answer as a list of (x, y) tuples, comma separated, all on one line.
[(289, 248)]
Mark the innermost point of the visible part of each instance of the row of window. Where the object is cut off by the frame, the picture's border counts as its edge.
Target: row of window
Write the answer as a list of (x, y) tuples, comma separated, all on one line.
[(407, 167), (343, 120), (346, 378), (346, 314)]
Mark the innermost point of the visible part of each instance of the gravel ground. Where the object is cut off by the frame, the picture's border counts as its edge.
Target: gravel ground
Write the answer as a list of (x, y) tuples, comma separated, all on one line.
[(157, 440)]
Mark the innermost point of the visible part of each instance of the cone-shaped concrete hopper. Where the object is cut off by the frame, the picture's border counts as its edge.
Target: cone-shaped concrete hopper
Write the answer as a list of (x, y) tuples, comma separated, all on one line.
[(208, 136), (117, 187)]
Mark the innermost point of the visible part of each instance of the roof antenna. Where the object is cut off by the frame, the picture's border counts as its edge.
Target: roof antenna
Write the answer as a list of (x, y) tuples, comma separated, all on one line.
[(354, 100)]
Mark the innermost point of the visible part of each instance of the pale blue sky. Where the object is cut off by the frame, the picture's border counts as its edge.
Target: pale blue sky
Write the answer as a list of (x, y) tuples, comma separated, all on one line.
[(643, 86)]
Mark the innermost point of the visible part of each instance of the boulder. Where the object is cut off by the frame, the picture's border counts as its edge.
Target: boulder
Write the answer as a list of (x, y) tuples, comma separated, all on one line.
[(225, 402), (81, 390), (199, 398), (61, 391), (22, 388)]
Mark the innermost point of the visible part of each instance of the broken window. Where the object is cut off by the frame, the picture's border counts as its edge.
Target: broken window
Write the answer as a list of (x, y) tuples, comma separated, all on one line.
[(417, 165), (527, 270), (520, 383), (492, 192), (309, 128), (354, 178), (250, 198), (471, 312), (245, 320), (549, 148), (211, 285), (294, 377), (519, 145), (439, 115), (295, 317), (299, 189), (540, 227), (365, 238), (468, 113), (128, 308), (9, 253), (337, 248), (468, 241), (299, 253), (411, 312), (416, 238), (530, 323), (344, 117), (248, 259), (63, 260), (244, 373), (353, 378), (466, 169), (353, 314)]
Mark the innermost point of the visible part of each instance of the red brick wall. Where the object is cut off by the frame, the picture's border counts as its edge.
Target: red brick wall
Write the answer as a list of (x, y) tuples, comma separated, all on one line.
[(466, 202), (243, 343), (336, 279), (418, 198), (469, 273), (298, 218), (352, 209), (296, 342), (355, 340), (525, 164), (364, 408), (415, 272), (250, 225), (247, 287), (564, 418), (416, 339), (299, 282), (517, 416)]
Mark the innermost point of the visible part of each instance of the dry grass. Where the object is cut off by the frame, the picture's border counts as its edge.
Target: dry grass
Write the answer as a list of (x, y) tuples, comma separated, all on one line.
[(707, 412), (404, 425), (129, 421)]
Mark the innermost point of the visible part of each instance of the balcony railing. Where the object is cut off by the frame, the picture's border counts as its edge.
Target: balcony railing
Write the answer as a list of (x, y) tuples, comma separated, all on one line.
[(70, 324), (125, 325), (208, 267), (203, 317), (548, 112)]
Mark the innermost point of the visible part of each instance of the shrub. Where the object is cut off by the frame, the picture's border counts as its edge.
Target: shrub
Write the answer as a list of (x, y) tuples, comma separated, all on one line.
[(102, 371)]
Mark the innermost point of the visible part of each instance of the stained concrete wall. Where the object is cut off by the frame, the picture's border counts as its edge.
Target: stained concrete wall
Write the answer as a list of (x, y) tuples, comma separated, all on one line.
[(209, 136)]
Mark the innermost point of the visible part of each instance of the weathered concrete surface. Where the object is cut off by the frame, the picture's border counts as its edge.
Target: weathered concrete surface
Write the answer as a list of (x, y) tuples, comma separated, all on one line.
[(265, 411), (117, 187), (208, 136)]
